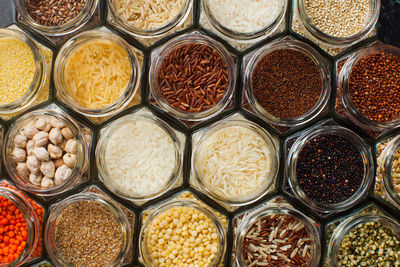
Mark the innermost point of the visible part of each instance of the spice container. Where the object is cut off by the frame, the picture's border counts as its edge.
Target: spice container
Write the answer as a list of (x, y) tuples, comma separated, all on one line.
[(272, 236), (197, 91), (85, 227), (97, 73), (243, 27), (330, 168), (140, 157), (46, 152), (287, 83), (370, 101), (21, 220), (182, 232), (365, 240), (234, 161), (157, 20)]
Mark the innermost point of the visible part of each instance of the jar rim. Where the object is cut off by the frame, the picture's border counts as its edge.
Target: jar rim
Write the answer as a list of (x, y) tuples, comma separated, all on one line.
[(305, 49), (389, 154), (74, 43), (25, 184), (365, 154), (176, 21), (70, 26), (39, 76), (58, 208), (269, 144), (166, 49), (243, 36), (143, 249), (263, 211), (102, 165), (312, 29)]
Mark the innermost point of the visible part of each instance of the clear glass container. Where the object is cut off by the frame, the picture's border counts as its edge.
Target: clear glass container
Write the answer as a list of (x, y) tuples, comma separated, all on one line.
[(82, 152), (249, 219), (365, 153), (107, 179), (57, 210), (160, 53), (143, 243), (40, 72), (60, 66), (349, 224), (271, 148), (291, 44)]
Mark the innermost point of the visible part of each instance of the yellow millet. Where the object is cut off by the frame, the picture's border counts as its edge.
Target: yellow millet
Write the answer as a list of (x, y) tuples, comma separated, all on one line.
[(17, 68), (183, 236)]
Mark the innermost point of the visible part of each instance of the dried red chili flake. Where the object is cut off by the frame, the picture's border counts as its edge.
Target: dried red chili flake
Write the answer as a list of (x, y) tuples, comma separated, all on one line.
[(193, 78), (374, 86)]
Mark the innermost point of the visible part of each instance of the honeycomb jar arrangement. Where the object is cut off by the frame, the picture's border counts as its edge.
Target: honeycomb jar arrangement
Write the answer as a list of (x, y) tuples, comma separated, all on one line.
[(188, 139)]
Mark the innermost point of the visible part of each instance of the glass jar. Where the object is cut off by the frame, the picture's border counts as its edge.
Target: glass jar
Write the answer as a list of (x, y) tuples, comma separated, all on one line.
[(334, 41), (271, 148), (320, 62), (162, 52), (344, 94), (348, 225), (81, 159), (365, 154), (61, 64), (40, 72), (57, 210), (103, 142), (32, 223), (251, 218), (151, 220), (70, 26)]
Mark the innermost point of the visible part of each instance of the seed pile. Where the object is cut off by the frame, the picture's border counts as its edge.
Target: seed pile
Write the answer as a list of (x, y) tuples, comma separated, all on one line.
[(338, 18), (54, 12), (87, 234), (329, 169), (374, 86), (286, 83), (147, 14), (277, 240), (193, 78), (182, 236), (370, 244)]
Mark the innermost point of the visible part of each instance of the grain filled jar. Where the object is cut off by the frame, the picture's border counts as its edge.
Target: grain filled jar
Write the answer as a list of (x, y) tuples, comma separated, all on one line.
[(330, 168), (197, 91), (235, 161), (287, 83), (55, 19), (87, 226), (266, 230), (97, 73), (45, 152), (23, 70), (176, 230)]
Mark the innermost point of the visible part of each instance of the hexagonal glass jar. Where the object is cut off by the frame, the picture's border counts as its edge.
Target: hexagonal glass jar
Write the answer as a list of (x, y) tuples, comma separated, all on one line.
[(249, 101), (302, 25), (294, 146), (192, 118), (78, 132), (129, 96), (1, 145), (98, 198), (345, 106), (150, 35), (88, 17), (237, 35), (104, 164), (267, 182), (184, 199), (38, 90)]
